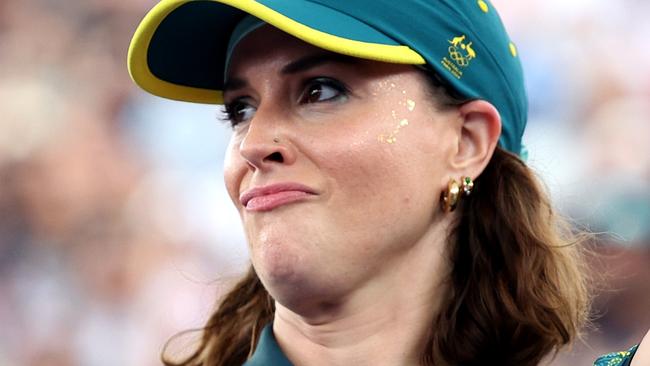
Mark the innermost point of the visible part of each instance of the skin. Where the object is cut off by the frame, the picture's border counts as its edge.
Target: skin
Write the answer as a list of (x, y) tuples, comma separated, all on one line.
[(357, 269), (642, 355)]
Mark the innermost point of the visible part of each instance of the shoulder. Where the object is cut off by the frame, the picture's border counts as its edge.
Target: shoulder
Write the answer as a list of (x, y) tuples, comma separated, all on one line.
[(642, 356)]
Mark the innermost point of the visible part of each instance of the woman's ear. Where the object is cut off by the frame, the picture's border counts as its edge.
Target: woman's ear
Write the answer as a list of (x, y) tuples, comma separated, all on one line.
[(480, 131)]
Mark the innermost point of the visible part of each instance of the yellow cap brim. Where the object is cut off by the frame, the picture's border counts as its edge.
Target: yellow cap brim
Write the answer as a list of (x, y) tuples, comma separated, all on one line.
[(141, 57)]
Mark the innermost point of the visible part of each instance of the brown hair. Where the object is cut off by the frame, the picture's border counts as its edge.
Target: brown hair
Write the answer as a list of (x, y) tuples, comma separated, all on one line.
[(517, 289)]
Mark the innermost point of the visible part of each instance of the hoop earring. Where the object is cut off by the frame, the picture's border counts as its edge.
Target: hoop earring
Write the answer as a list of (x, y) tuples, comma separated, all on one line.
[(450, 197)]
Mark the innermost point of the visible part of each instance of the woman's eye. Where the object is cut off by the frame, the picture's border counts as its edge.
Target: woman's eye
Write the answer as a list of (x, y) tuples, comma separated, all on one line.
[(239, 111), (323, 90)]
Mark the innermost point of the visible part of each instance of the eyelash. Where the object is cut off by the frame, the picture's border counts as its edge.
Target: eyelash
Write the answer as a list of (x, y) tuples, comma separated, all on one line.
[(341, 90), (230, 111)]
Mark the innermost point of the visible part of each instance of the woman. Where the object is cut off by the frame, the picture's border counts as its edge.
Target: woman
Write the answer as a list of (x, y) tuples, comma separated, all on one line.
[(375, 165)]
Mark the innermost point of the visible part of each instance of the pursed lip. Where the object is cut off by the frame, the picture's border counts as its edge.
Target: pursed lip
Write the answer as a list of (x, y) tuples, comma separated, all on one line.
[(268, 197)]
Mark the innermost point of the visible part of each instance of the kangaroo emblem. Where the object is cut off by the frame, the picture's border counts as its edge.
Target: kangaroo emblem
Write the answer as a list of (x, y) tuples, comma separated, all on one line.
[(470, 51), (461, 54), (457, 41), (461, 58)]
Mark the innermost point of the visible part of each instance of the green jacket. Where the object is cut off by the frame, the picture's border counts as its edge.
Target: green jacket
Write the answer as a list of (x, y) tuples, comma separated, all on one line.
[(623, 358)]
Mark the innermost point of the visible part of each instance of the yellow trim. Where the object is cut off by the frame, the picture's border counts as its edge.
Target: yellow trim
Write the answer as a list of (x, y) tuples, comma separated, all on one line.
[(141, 75), (366, 50)]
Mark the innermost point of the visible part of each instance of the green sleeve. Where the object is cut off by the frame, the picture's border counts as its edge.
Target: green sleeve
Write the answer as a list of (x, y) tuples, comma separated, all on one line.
[(617, 358)]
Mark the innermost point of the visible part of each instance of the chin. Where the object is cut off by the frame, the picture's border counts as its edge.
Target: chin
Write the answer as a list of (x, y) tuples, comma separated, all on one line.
[(279, 254), (277, 264), (291, 279)]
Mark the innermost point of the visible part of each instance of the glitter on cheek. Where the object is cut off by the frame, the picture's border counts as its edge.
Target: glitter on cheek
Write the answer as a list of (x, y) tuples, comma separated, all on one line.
[(391, 138), (410, 104)]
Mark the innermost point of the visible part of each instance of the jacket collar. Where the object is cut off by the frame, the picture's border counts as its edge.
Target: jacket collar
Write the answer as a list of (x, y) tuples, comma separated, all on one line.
[(268, 352)]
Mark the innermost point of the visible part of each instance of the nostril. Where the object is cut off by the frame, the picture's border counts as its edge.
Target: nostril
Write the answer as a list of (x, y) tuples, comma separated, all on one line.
[(276, 157)]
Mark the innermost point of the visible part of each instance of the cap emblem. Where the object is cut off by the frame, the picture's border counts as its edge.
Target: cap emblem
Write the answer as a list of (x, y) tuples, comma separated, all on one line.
[(461, 54)]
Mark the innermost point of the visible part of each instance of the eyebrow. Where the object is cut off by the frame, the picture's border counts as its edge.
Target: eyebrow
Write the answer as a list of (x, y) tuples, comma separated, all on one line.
[(233, 84), (311, 61), (302, 64)]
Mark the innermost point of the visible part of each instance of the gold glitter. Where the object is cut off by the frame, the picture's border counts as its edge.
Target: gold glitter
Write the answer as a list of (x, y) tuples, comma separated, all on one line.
[(410, 104), (392, 137)]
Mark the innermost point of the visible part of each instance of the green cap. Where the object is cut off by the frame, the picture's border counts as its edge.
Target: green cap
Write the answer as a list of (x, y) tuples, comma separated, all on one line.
[(180, 48)]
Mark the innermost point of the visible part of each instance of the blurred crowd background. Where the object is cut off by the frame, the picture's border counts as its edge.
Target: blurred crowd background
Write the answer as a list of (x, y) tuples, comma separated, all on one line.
[(115, 229)]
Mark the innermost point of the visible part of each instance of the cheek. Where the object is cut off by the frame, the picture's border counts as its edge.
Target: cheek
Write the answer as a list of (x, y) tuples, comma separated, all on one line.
[(233, 171), (391, 165), (375, 176)]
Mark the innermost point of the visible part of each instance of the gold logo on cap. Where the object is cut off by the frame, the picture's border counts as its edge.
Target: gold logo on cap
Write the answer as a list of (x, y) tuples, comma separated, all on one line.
[(461, 54)]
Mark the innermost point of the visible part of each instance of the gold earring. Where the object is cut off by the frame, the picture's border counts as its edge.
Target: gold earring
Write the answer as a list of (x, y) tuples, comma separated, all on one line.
[(449, 197)]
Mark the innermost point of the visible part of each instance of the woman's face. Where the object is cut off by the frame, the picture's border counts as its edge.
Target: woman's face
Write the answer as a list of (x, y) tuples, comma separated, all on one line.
[(335, 164)]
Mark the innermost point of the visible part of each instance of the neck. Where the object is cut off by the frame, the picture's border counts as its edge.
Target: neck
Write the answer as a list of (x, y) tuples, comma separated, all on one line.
[(386, 322)]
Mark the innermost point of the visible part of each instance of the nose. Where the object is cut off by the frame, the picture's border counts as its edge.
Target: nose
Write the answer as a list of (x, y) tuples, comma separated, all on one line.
[(266, 146)]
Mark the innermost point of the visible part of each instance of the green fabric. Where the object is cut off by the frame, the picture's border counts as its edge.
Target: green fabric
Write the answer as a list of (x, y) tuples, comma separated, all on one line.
[(268, 352), (463, 41), (244, 28), (326, 17), (623, 358)]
